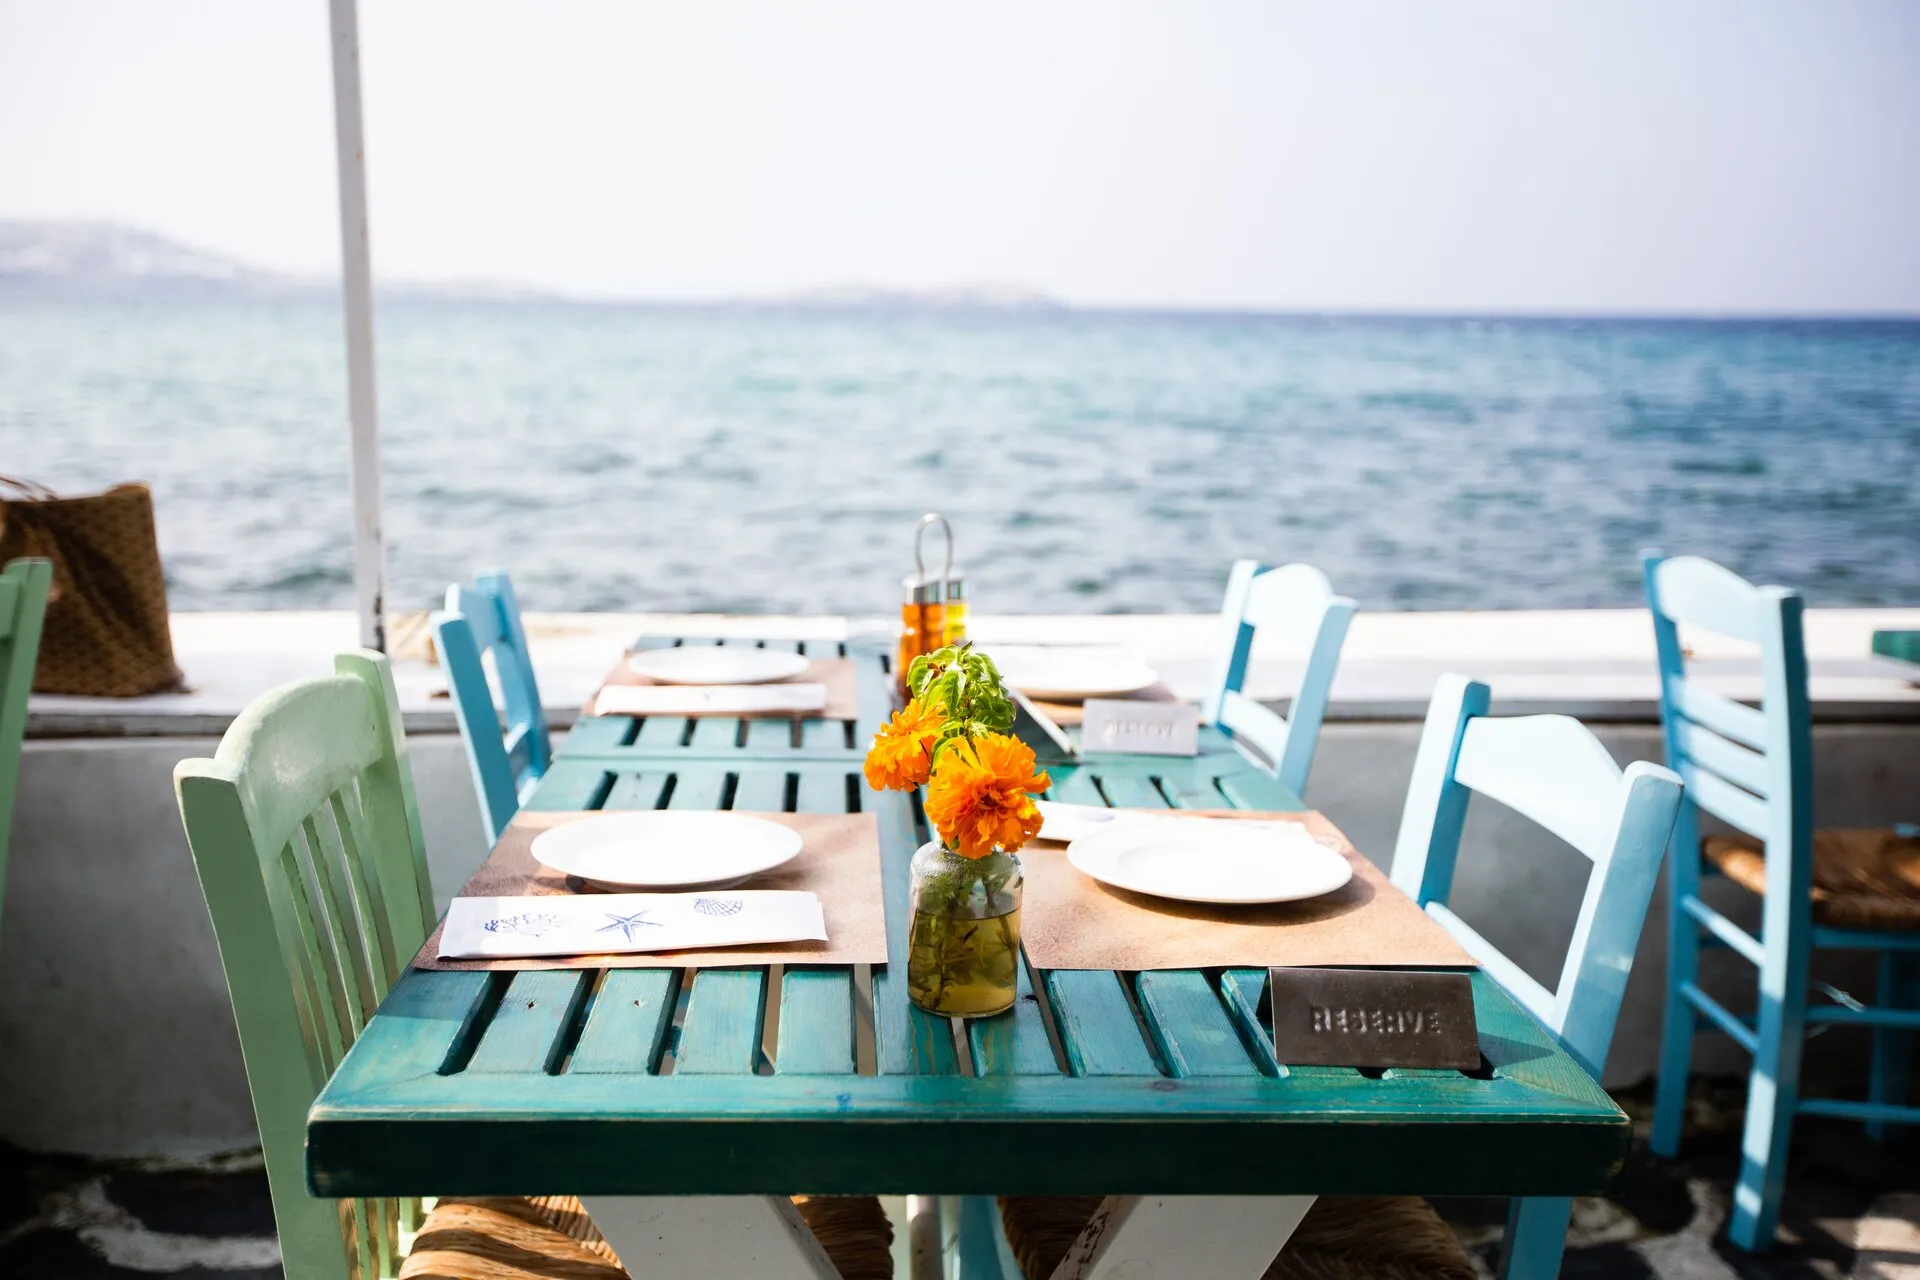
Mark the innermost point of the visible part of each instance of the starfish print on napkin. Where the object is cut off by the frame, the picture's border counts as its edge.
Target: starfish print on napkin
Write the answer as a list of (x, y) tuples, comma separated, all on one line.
[(627, 924)]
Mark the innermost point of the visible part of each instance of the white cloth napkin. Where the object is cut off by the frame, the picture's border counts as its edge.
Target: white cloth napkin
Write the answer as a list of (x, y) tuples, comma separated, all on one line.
[(717, 699), (606, 923)]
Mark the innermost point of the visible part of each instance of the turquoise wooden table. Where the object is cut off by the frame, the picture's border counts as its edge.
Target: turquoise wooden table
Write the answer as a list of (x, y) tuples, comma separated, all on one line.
[(626, 1085)]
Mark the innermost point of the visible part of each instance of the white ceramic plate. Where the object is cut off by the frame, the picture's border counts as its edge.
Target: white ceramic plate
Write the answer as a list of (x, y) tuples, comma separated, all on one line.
[(717, 664), (666, 849), (1202, 860), (1072, 674)]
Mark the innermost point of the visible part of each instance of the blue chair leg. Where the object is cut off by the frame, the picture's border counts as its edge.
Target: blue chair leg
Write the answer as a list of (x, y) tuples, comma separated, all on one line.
[(1536, 1237), (1773, 1093), (1677, 1028), (1892, 1046), (972, 1247)]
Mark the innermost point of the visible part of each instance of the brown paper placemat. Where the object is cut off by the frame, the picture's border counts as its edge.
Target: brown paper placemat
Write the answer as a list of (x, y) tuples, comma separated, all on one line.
[(1071, 713), (840, 676), (1069, 920), (839, 860)]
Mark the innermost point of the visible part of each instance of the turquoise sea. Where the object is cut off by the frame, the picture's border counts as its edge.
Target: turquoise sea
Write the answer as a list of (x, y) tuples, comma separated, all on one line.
[(766, 458)]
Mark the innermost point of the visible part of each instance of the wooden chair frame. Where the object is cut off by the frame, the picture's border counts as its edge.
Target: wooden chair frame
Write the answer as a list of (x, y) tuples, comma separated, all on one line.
[(1752, 768), (1554, 772), (1297, 602), (506, 759)]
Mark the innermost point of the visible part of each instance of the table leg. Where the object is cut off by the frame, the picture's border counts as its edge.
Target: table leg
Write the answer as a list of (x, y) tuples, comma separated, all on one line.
[(760, 1236), (923, 1238), (1203, 1237)]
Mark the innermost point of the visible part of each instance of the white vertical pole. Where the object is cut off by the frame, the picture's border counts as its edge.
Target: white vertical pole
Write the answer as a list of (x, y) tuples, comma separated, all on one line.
[(356, 286)]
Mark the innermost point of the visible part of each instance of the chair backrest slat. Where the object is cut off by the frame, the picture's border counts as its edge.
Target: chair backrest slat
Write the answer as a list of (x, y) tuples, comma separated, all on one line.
[(300, 964), (353, 983), (519, 748), (305, 833), (1293, 604), (1735, 721), (1738, 764), (1254, 725), (24, 585), (319, 977), (480, 622), (1549, 769), (1701, 593), (1553, 771), (1738, 809), (384, 960)]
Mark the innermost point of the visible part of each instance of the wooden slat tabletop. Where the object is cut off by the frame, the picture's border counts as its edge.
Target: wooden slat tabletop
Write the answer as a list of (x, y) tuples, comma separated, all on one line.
[(761, 1080)]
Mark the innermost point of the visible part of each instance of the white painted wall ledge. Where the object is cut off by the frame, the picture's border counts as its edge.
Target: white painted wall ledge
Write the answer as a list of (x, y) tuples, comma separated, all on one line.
[(1594, 663)]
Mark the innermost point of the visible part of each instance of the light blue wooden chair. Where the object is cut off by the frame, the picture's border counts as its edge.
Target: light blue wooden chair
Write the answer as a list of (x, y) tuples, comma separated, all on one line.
[(1752, 768), (1554, 772), (507, 760), (1294, 602)]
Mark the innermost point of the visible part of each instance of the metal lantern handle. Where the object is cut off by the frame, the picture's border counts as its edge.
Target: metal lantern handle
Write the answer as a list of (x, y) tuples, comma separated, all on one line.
[(919, 561)]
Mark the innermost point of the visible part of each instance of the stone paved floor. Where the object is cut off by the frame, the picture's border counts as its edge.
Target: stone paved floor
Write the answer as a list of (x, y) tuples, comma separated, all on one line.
[(1667, 1219), (1852, 1213)]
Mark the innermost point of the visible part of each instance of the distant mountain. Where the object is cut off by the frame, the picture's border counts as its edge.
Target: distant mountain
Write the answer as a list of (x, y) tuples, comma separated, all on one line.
[(81, 261), (104, 260), (986, 297)]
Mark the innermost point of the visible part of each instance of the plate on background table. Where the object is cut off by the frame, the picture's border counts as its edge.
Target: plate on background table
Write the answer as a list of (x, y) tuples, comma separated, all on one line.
[(717, 664), (1071, 673), (1210, 860), (666, 849)]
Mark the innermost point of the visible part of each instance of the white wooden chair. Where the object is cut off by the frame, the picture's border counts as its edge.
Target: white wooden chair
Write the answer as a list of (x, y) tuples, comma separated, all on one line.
[(1294, 604)]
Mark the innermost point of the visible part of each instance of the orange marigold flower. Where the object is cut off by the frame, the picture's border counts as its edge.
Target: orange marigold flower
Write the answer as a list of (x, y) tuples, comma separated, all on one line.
[(902, 751), (981, 797)]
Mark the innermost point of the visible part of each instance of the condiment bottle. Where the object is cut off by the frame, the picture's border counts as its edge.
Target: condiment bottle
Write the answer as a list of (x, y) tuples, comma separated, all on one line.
[(922, 622), (923, 612)]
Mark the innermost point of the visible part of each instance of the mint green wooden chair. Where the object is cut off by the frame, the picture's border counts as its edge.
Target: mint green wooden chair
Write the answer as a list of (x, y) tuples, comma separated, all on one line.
[(306, 837), (24, 585)]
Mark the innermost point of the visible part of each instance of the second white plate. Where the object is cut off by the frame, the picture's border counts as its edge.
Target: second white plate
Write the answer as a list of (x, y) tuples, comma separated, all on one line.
[(716, 664), (1216, 861), (666, 849), (1071, 674)]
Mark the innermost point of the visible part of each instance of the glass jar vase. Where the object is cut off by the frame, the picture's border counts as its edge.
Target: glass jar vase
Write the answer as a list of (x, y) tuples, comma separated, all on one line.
[(963, 945)]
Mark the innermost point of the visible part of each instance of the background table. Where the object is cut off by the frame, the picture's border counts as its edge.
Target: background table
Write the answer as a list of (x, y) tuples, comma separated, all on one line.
[(755, 1081), (1902, 647)]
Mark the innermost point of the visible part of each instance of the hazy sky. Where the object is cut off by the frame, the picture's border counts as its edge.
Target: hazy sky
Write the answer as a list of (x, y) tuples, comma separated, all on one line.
[(1681, 155)]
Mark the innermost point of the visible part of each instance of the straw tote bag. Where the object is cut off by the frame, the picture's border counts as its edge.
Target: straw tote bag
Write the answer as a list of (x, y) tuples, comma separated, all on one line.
[(106, 630)]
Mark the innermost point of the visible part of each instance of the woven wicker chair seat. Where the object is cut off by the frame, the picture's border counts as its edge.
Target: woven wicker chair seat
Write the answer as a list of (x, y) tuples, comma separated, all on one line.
[(553, 1238), (1863, 877), (1341, 1238)]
